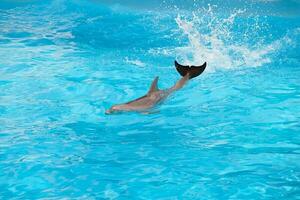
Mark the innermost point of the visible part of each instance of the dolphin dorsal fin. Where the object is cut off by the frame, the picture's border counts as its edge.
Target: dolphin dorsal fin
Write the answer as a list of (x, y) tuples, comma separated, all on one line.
[(153, 87)]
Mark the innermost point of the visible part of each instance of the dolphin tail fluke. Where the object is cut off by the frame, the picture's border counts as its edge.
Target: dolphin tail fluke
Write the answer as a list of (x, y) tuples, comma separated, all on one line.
[(193, 71)]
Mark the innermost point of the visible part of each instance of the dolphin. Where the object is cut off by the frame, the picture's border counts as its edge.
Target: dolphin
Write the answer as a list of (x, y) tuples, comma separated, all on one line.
[(155, 96)]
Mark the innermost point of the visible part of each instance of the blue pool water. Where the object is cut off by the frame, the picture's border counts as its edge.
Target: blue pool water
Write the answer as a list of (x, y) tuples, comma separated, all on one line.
[(232, 133)]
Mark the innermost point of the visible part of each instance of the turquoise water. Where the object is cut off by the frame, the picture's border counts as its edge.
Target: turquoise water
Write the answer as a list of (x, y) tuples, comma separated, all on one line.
[(232, 133)]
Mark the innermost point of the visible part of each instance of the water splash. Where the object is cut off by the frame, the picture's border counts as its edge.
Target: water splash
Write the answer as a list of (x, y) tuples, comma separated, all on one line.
[(135, 62), (211, 38)]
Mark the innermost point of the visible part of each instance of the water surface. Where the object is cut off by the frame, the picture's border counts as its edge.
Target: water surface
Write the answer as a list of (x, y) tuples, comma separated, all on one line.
[(232, 133)]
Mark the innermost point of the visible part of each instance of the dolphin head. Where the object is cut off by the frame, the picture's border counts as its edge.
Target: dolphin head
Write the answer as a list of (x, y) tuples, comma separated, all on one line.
[(115, 109)]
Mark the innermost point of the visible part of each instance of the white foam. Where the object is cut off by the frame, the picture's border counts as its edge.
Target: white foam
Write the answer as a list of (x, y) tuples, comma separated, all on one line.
[(135, 62), (215, 45)]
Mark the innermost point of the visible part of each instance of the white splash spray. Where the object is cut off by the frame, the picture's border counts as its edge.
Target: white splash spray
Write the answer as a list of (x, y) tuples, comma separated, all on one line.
[(216, 45), (135, 62)]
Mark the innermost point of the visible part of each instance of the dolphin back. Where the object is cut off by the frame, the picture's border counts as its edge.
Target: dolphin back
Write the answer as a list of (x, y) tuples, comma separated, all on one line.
[(193, 71)]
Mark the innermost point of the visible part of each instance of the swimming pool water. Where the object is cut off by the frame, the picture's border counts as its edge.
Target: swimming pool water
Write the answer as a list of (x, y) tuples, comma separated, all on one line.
[(232, 133)]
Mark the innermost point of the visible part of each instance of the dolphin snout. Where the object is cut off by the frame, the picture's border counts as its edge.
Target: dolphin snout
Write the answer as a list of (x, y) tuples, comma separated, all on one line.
[(108, 112), (112, 110)]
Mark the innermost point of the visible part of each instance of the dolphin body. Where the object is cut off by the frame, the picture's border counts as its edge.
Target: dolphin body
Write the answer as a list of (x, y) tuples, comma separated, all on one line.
[(155, 95)]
